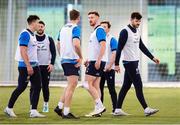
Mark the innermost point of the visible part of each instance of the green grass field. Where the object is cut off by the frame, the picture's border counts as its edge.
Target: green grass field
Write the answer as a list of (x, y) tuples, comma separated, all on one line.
[(166, 99)]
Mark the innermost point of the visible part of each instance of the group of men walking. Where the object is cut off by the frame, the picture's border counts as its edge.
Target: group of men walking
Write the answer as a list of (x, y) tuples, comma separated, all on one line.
[(36, 55)]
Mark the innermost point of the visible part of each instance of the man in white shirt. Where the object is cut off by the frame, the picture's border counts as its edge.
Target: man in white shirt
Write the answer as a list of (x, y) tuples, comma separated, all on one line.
[(26, 55), (46, 58), (71, 57), (97, 58)]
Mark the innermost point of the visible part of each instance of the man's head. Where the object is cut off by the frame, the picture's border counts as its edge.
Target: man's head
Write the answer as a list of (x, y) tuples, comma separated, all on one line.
[(74, 15), (33, 22), (41, 28), (136, 19), (93, 17), (106, 25)]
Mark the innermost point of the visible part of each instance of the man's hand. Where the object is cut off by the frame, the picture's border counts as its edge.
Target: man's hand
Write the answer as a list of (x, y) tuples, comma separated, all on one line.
[(157, 61), (97, 64), (86, 63), (50, 68), (79, 62), (117, 68), (30, 70), (107, 68)]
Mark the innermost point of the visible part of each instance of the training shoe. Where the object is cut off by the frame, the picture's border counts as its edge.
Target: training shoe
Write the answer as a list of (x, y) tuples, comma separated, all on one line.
[(45, 108), (91, 114), (149, 111), (10, 112), (69, 116), (98, 111), (120, 112), (58, 111), (36, 114)]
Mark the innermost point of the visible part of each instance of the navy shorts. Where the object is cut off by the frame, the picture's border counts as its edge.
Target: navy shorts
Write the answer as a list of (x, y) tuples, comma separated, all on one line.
[(91, 70), (70, 69)]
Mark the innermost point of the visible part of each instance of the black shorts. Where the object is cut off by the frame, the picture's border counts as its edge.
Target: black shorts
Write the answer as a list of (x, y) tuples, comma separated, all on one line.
[(91, 70), (70, 69)]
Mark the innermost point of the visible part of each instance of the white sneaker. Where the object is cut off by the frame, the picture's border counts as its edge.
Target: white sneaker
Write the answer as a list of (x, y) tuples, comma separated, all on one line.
[(92, 114), (149, 111), (10, 112), (36, 114), (120, 112), (98, 111)]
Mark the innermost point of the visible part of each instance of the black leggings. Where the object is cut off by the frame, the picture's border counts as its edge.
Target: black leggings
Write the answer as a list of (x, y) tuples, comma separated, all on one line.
[(22, 84), (131, 75), (110, 77), (45, 77)]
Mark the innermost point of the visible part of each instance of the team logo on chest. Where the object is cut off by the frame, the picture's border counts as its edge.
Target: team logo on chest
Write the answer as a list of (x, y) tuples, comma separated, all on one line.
[(41, 46), (136, 38)]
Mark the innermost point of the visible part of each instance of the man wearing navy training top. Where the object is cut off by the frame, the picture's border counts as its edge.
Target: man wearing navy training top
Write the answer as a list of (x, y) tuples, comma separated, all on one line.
[(71, 57), (46, 58), (130, 44), (95, 64), (109, 73), (26, 55)]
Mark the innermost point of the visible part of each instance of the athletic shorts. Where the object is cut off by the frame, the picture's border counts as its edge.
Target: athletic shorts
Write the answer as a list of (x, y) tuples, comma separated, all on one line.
[(70, 69), (91, 70)]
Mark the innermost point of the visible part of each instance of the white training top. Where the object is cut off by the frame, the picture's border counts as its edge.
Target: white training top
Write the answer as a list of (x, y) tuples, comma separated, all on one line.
[(109, 48), (67, 50), (31, 49), (43, 51), (94, 47), (131, 50)]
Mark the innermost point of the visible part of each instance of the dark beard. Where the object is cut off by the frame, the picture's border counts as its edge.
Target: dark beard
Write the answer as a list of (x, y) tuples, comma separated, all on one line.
[(40, 33)]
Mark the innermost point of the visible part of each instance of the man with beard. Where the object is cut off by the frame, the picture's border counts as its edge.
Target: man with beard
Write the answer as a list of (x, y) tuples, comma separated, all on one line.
[(130, 44), (46, 53), (97, 58)]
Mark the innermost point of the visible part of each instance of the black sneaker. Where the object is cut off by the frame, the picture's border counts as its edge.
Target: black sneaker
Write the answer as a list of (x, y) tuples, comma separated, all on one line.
[(58, 111), (69, 116)]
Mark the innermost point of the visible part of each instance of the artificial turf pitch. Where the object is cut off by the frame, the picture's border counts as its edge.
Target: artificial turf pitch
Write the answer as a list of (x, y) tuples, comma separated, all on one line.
[(167, 100)]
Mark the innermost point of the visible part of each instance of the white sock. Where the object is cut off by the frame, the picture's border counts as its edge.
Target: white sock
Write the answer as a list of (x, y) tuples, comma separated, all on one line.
[(60, 105), (45, 103), (66, 110), (98, 103)]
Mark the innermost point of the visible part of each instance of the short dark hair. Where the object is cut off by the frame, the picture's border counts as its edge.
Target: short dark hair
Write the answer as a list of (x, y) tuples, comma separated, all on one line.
[(94, 12), (41, 22), (136, 15), (106, 22), (32, 18), (74, 14)]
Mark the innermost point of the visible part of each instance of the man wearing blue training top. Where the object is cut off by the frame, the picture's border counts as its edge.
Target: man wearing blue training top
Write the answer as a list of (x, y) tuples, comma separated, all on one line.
[(109, 73), (130, 44), (26, 55), (71, 57), (97, 58)]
